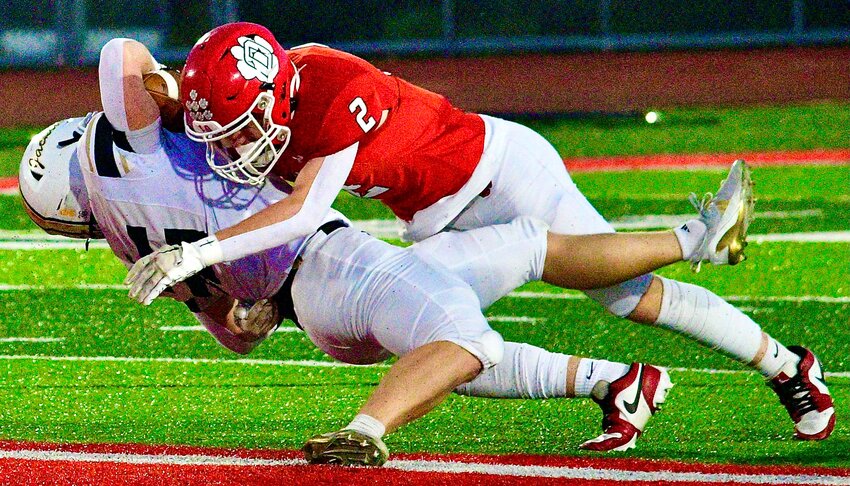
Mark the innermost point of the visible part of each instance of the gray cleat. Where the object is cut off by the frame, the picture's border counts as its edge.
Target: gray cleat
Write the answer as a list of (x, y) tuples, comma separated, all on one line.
[(727, 216), (345, 448)]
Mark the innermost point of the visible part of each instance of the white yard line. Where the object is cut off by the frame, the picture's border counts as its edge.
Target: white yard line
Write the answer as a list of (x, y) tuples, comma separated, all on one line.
[(517, 295), (529, 320), (203, 329), (814, 237), (136, 359), (26, 287), (34, 240), (730, 298), (291, 362), (599, 473), (31, 339), (651, 221)]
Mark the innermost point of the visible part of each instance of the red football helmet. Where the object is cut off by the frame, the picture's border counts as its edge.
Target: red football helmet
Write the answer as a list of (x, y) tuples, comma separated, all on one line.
[(237, 88)]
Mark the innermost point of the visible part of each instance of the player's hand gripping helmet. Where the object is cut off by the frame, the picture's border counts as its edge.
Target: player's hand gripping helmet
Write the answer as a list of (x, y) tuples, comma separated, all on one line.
[(237, 89), (51, 184)]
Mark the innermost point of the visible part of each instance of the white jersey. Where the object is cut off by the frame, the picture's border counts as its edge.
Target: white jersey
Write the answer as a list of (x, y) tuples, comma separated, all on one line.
[(144, 201)]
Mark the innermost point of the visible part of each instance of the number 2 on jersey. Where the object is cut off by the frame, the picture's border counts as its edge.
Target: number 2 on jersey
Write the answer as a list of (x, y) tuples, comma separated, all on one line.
[(358, 108)]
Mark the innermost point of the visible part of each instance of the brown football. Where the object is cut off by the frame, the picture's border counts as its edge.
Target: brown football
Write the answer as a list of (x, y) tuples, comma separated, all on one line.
[(164, 86)]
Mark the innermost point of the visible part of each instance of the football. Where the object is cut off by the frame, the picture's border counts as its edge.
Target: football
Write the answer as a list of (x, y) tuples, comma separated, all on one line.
[(164, 86)]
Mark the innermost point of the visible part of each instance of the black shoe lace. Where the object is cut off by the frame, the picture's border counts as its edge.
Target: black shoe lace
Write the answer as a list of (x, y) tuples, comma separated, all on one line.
[(796, 396)]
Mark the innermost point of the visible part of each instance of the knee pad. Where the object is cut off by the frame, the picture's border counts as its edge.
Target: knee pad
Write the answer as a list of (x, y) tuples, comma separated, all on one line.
[(621, 299), (492, 346)]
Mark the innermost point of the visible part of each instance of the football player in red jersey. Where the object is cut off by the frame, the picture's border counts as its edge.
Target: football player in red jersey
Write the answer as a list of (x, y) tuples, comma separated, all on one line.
[(329, 121)]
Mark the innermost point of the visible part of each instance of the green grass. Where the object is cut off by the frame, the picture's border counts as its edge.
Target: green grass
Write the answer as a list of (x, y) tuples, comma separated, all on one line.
[(708, 417), (726, 418), (704, 130)]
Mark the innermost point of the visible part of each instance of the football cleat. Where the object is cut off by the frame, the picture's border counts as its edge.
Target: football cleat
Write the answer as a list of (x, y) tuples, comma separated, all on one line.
[(627, 406), (803, 391), (345, 448), (727, 216)]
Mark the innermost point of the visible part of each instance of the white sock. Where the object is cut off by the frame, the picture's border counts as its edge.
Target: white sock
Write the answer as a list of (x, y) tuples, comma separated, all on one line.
[(690, 236), (367, 425), (705, 317), (592, 371), (525, 371), (775, 357)]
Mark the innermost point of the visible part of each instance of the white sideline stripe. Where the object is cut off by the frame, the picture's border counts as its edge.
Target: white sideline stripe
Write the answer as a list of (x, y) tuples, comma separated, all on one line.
[(602, 474), (164, 459), (202, 328), (565, 472), (290, 362), (31, 339)]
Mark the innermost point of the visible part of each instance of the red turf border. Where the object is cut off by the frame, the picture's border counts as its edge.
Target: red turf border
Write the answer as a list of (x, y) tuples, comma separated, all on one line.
[(21, 471), (687, 161)]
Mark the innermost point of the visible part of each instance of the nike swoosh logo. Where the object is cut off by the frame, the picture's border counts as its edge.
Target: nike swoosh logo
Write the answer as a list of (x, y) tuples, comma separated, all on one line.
[(632, 407), (820, 377), (776, 352), (590, 372)]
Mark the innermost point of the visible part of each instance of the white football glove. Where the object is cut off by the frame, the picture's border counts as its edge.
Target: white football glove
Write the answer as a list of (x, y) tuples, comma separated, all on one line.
[(257, 321), (168, 265)]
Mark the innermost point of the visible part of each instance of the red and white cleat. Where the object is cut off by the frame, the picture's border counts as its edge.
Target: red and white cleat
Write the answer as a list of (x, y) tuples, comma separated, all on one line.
[(803, 391), (627, 406)]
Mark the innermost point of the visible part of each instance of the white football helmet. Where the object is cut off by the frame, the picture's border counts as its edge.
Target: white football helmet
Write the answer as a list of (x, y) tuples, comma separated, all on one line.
[(51, 184)]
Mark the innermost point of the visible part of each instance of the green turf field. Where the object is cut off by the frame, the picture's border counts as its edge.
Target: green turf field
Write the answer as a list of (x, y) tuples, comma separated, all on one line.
[(181, 388)]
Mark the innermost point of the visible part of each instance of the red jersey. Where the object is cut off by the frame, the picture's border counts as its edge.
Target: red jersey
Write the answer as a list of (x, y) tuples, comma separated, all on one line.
[(415, 147)]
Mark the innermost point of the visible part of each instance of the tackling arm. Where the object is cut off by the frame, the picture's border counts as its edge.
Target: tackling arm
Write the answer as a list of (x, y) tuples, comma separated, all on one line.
[(298, 215)]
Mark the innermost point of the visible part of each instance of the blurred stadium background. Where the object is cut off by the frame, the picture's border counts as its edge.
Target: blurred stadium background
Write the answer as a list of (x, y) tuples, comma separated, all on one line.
[(532, 56)]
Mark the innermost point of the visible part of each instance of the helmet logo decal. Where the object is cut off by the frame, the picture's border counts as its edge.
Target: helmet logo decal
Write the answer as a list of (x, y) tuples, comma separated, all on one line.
[(198, 107), (34, 163), (255, 59)]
